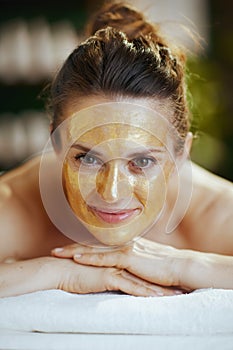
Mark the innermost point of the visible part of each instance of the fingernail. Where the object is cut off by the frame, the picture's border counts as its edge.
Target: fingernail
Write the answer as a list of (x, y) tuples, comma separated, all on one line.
[(178, 292), (58, 250), (160, 294), (77, 256)]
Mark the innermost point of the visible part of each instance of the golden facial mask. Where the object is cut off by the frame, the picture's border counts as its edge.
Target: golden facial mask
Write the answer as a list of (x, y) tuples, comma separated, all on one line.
[(114, 167)]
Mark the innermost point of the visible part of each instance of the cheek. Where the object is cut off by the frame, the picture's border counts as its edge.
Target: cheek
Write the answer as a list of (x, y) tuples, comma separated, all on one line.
[(141, 190), (70, 179), (158, 189), (168, 170), (152, 194), (71, 187), (151, 189), (86, 184), (78, 183)]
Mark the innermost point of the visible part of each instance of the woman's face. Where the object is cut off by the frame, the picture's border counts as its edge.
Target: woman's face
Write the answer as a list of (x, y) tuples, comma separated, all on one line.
[(115, 171)]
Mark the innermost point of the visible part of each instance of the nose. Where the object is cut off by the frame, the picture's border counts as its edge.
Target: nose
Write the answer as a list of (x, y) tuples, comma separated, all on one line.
[(111, 183)]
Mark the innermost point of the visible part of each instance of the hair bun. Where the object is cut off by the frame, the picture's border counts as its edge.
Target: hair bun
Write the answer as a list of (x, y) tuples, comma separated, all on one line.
[(122, 17)]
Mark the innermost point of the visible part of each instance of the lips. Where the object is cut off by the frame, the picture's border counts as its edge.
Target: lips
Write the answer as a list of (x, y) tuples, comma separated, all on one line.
[(115, 217)]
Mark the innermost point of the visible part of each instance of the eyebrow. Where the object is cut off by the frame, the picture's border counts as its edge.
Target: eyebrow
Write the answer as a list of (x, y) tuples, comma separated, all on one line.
[(147, 151), (136, 153), (85, 149)]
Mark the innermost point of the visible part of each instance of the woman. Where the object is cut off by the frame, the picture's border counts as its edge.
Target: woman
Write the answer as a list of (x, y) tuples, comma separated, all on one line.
[(120, 133)]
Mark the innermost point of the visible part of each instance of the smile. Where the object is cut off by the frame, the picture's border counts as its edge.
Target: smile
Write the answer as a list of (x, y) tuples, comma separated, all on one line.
[(114, 217)]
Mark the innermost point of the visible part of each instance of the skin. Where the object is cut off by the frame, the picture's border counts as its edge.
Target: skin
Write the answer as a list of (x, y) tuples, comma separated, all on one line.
[(115, 181), (197, 254)]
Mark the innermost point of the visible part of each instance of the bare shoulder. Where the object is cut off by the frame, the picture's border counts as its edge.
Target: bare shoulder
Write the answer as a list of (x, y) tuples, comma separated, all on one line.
[(209, 219), (205, 179), (26, 230), (18, 199), (212, 197), (18, 183)]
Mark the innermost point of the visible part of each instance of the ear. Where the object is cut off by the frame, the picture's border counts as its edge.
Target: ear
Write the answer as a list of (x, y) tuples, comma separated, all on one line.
[(187, 147), (188, 143), (186, 150)]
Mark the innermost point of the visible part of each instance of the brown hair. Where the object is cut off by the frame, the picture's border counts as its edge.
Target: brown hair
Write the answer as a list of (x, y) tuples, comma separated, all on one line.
[(124, 56)]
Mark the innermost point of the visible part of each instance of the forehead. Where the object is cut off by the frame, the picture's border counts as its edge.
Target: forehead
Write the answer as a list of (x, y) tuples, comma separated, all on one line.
[(122, 135), (116, 121)]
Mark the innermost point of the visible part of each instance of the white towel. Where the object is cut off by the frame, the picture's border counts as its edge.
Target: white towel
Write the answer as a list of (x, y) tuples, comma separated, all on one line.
[(207, 311)]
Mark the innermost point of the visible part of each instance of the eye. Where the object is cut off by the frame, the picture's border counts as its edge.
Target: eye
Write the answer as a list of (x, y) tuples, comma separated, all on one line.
[(143, 162), (87, 159)]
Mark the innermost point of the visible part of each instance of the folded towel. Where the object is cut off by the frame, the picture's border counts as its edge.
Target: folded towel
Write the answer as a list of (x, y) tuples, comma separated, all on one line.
[(207, 311)]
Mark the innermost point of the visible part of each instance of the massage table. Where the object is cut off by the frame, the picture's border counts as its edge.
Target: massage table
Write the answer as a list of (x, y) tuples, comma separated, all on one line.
[(55, 319)]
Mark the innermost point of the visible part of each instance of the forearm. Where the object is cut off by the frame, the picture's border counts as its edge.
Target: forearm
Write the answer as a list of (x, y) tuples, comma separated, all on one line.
[(28, 276), (160, 264), (207, 270)]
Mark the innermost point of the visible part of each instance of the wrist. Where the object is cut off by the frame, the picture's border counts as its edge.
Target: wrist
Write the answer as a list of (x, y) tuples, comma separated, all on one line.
[(30, 275), (53, 271), (207, 270)]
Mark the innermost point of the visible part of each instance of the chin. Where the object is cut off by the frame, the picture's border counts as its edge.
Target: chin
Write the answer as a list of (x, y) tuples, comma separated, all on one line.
[(111, 236)]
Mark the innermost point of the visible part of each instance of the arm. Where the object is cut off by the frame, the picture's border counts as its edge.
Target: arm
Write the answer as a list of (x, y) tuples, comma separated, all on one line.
[(51, 273), (27, 276), (208, 270), (160, 264)]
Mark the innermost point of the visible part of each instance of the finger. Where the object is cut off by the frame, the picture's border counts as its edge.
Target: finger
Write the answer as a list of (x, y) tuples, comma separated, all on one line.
[(159, 290), (70, 250), (147, 268), (130, 284), (117, 259)]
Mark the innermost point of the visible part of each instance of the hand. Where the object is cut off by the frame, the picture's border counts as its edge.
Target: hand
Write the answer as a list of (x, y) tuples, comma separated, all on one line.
[(147, 260), (44, 273), (82, 279)]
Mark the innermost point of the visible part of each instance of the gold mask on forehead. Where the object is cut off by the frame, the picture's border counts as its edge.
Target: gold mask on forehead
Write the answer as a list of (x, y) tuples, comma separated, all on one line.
[(115, 163)]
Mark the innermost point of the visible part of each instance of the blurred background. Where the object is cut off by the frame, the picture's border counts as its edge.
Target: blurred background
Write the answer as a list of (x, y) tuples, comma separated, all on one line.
[(36, 37)]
